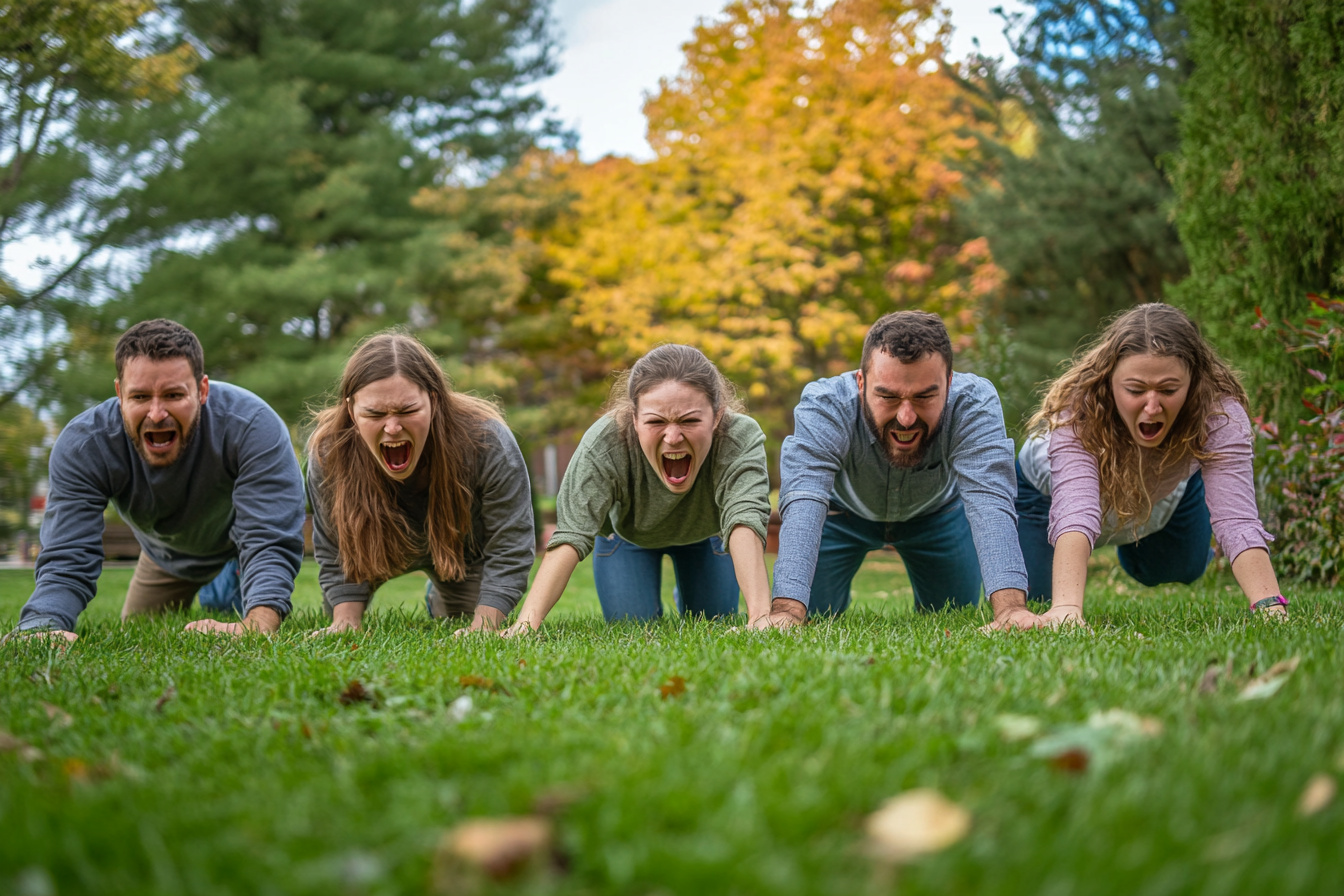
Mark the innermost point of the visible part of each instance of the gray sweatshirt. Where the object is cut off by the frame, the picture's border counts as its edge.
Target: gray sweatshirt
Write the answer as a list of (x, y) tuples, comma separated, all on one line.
[(502, 534), (235, 492)]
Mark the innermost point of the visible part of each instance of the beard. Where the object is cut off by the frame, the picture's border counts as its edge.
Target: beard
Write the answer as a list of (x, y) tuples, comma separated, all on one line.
[(158, 460), (904, 459)]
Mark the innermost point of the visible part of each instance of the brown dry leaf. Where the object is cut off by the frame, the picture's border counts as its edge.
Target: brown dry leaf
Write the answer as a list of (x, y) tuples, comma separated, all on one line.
[(58, 716), (915, 823), (485, 684), (11, 744), (554, 800), (169, 693), (1319, 793), (1209, 683), (1074, 760), (76, 769), (355, 692), (494, 848), (1267, 685), (675, 686)]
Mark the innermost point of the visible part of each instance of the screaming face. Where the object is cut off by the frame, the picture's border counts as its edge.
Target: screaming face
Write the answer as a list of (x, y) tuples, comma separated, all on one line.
[(675, 424), (393, 416), (160, 406), (1149, 391), (903, 404)]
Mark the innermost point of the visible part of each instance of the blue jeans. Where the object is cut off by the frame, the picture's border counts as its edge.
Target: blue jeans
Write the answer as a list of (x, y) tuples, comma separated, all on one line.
[(937, 549), (1178, 552), (630, 578), (225, 591)]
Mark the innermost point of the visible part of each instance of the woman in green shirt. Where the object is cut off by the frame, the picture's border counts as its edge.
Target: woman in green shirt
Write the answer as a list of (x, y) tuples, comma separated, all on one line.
[(674, 467)]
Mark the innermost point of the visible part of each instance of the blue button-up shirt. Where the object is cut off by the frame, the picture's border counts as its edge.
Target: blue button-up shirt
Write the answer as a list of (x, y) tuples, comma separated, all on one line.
[(834, 458)]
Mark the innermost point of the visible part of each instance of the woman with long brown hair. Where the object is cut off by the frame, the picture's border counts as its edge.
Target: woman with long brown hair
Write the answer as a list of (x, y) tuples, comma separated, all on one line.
[(673, 468), (405, 474), (1144, 442)]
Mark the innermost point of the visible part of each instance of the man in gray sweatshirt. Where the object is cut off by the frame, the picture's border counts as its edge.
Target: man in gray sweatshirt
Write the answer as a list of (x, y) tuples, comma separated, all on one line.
[(203, 473)]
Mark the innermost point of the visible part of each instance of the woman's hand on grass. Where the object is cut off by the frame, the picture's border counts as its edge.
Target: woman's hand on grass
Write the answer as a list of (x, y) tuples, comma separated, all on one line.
[(521, 627), (485, 619), (58, 638), (259, 619), (347, 616), (1064, 614)]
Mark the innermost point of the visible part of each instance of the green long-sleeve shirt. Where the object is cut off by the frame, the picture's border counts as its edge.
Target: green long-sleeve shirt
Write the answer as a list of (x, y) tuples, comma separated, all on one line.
[(611, 487)]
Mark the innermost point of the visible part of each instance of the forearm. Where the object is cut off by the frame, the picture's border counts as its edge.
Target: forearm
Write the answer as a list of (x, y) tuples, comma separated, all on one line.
[(1255, 574), (556, 568), (1069, 576), (748, 554)]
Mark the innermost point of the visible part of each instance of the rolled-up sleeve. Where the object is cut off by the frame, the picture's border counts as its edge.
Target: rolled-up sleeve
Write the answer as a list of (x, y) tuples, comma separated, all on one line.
[(268, 508), (1075, 487), (982, 457), (1229, 482), (506, 512), (809, 462)]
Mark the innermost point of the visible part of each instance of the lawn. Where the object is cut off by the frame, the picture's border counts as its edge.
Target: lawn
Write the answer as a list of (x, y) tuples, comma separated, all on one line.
[(173, 763)]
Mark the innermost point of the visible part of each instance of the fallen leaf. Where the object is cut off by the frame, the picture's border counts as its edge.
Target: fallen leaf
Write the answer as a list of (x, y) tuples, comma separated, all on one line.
[(1209, 683), (485, 684), (1074, 760), (521, 663), (554, 800), (495, 848), (674, 687), (305, 730), (11, 744), (76, 769), (1319, 793), (915, 823), (1267, 685), (1014, 727), (58, 716), (355, 692), (169, 693)]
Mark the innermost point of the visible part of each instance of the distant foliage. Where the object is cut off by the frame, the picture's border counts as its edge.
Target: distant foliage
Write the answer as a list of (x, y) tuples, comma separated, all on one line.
[(1259, 180), (1301, 468)]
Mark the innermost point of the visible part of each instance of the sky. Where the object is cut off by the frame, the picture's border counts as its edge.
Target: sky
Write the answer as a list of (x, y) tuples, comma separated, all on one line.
[(614, 52)]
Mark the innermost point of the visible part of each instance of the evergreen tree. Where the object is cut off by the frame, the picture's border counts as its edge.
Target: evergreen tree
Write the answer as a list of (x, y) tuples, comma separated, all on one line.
[(1072, 193), (1261, 174), (283, 231), (87, 93)]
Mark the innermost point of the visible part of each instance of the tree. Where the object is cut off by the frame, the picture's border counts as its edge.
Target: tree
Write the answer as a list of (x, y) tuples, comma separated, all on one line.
[(284, 229), (800, 190), (1260, 178), (1071, 189), (83, 86)]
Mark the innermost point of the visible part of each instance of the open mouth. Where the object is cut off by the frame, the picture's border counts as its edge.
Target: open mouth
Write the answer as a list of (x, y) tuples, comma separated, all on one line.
[(677, 467), (397, 455), (906, 437), (159, 441), (1150, 431)]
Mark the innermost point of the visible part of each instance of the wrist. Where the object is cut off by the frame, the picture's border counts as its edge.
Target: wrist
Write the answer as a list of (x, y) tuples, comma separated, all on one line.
[(262, 619), (1007, 601), (787, 605)]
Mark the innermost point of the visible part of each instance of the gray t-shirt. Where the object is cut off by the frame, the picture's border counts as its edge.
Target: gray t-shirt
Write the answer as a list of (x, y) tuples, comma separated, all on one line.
[(236, 491), (503, 538), (611, 487)]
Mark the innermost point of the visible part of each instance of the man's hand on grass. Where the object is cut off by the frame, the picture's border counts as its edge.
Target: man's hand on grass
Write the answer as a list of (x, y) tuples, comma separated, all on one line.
[(784, 613), (57, 637), (485, 619), (1010, 612), (259, 619)]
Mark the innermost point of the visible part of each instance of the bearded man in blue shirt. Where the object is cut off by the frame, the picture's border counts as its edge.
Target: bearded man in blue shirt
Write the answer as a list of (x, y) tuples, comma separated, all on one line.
[(904, 453)]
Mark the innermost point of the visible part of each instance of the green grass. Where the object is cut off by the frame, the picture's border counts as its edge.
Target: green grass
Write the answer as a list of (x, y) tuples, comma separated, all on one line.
[(253, 778)]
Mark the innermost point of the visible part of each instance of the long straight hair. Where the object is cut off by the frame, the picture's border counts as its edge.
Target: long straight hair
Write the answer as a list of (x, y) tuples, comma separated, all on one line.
[(375, 538), (1082, 398)]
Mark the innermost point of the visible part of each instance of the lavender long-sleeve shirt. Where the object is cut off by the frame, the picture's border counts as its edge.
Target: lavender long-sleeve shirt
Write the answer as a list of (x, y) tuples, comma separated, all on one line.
[(1074, 485), (834, 458)]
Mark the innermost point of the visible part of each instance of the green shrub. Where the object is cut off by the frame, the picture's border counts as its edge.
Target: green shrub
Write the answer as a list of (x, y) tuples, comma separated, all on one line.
[(1301, 479)]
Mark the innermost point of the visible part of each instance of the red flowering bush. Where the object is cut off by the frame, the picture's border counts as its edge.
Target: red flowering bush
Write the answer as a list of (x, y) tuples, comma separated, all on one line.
[(1301, 469)]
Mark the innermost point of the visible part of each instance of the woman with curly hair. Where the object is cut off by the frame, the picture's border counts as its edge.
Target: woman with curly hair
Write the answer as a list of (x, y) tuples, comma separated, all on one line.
[(405, 474), (673, 468), (1144, 442)]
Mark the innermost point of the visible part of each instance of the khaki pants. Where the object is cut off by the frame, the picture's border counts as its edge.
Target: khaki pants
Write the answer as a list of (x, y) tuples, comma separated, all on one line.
[(444, 599), (152, 590)]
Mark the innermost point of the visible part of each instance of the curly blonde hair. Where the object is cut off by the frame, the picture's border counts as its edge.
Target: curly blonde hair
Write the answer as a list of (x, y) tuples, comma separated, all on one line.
[(1081, 397)]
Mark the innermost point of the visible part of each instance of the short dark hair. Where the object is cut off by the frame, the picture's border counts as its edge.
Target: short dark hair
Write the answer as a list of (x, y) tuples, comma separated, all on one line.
[(160, 340), (908, 336)]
